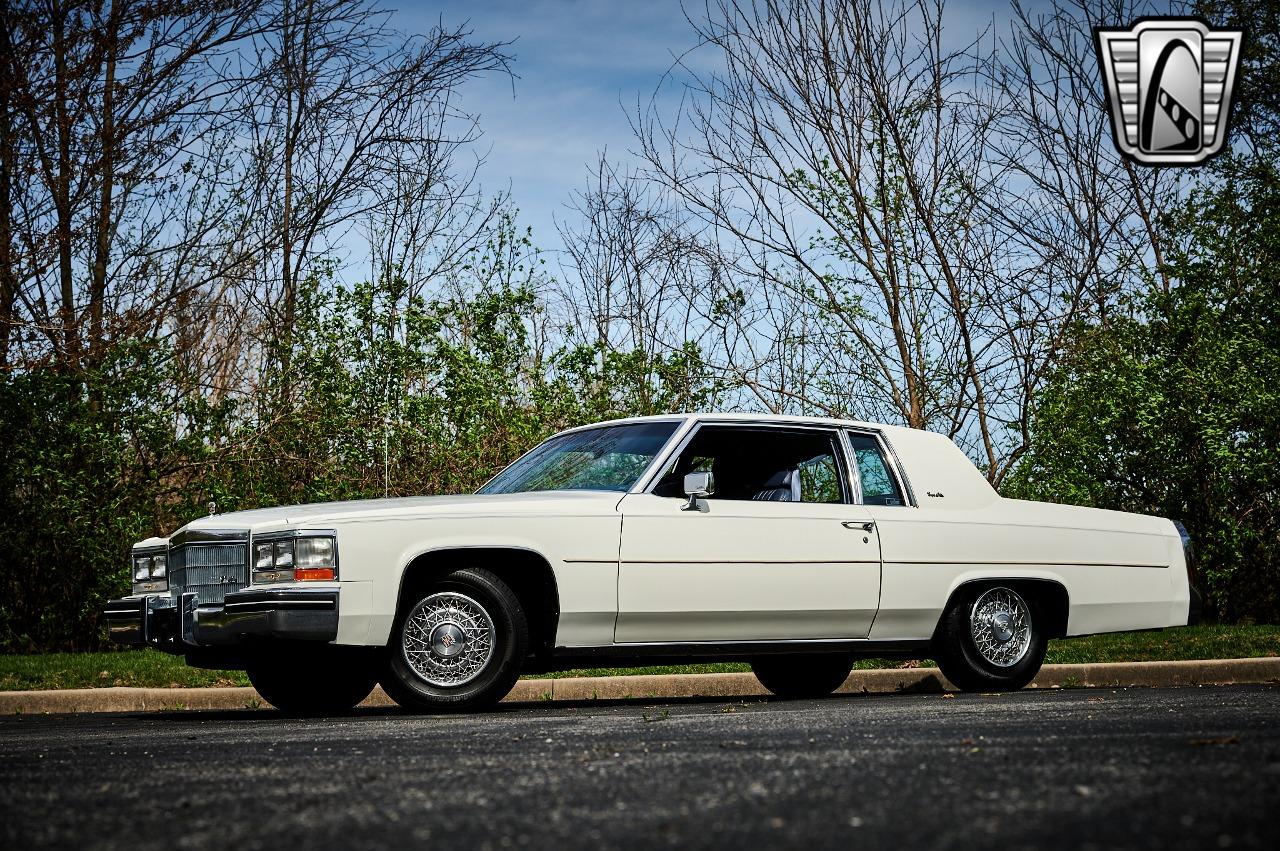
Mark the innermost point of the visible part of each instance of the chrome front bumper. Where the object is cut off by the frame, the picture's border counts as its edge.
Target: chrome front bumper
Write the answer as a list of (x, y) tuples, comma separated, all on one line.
[(181, 625)]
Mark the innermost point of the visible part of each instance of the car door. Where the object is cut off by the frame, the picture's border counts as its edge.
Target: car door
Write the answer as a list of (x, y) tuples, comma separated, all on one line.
[(779, 551)]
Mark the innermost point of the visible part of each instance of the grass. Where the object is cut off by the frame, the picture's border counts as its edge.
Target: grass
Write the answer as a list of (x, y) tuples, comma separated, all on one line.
[(1187, 642), (113, 668), (152, 668)]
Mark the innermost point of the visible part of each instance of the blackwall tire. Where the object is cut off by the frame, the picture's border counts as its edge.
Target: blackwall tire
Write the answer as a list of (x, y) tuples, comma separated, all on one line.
[(456, 645), (802, 675), (991, 638), (314, 685)]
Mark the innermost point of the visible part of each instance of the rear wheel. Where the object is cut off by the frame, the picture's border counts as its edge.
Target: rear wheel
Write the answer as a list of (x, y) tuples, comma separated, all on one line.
[(990, 639), (457, 644), (796, 675), (315, 684)]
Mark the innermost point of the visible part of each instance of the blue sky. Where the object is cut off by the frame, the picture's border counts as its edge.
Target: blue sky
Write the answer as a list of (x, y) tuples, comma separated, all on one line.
[(580, 66), (577, 63)]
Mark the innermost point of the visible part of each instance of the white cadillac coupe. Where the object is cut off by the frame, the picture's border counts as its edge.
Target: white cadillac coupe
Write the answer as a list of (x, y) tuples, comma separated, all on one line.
[(795, 544)]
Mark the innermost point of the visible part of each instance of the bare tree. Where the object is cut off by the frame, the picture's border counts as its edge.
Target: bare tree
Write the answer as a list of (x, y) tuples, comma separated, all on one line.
[(1082, 218), (351, 115), (633, 273), (1054, 138), (842, 150), (107, 104), (173, 169), (910, 220), (8, 160), (432, 215)]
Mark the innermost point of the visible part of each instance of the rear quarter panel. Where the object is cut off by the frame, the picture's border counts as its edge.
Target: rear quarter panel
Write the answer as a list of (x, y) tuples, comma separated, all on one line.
[(1121, 571)]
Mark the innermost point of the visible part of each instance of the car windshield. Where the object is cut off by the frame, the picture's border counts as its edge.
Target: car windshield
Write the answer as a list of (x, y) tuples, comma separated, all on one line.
[(609, 458)]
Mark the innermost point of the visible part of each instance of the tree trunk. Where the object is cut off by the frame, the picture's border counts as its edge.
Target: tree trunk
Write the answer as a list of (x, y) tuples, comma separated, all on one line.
[(62, 192), (285, 339), (107, 167), (8, 275)]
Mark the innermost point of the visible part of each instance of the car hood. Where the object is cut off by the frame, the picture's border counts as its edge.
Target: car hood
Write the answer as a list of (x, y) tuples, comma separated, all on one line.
[(411, 508)]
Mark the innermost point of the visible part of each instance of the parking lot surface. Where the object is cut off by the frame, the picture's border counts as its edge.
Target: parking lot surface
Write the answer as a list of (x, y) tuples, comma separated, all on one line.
[(1076, 768)]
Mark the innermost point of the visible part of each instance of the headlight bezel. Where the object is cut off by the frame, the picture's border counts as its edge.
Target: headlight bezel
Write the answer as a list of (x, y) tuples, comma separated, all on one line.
[(149, 569), (276, 556)]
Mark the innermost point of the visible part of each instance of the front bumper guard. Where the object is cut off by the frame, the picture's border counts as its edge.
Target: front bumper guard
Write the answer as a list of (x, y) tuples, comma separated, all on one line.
[(177, 625)]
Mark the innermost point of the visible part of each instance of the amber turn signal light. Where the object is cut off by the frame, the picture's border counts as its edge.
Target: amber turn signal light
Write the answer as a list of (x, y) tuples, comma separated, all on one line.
[(313, 574)]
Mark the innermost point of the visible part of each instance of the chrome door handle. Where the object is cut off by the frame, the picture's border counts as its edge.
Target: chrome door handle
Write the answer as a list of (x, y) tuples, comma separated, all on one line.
[(868, 526)]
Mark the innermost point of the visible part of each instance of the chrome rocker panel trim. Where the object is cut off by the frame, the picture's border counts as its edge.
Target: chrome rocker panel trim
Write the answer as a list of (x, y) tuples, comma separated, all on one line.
[(681, 653)]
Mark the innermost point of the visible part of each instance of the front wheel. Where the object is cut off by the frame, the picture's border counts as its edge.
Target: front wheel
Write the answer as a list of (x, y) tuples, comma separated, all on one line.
[(315, 684), (797, 675), (990, 639), (457, 644)]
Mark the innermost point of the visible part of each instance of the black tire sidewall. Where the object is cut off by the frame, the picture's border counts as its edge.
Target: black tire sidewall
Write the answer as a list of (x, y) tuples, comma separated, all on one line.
[(964, 665), (511, 640), (802, 675), (314, 684)]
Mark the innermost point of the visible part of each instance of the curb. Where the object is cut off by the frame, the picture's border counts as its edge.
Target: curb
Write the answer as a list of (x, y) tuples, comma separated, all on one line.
[(668, 686)]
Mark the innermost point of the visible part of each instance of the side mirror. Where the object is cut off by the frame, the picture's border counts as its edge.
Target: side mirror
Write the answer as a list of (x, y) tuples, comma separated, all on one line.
[(696, 485)]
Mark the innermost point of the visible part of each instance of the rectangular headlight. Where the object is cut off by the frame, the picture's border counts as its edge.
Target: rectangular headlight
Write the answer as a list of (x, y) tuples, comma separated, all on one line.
[(314, 552), (313, 559), (150, 573), (306, 557)]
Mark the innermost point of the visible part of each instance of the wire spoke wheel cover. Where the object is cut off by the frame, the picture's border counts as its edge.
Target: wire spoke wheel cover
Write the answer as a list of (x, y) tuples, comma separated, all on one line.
[(1000, 624), (448, 639)]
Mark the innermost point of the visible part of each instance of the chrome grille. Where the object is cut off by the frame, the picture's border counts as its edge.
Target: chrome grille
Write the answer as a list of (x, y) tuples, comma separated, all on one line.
[(209, 571)]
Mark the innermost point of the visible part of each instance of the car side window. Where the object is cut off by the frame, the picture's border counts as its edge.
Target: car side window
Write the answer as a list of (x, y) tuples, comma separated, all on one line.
[(820, 479), (762, 464), (879, 487)]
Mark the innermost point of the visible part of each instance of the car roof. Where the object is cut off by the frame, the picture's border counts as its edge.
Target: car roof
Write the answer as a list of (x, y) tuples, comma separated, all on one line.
[(931, 463), (711, 416)]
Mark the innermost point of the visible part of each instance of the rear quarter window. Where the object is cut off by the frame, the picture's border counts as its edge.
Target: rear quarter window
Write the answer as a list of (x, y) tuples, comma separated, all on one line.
[(879, 486)]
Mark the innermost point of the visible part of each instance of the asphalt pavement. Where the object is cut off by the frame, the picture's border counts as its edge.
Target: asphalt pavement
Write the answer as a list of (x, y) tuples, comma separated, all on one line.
[(1071, 768)]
